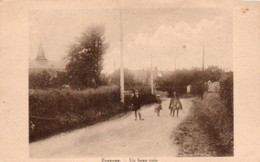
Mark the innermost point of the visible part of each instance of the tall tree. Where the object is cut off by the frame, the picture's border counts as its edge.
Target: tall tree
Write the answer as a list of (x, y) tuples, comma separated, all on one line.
[(130, 82), (86, 58)]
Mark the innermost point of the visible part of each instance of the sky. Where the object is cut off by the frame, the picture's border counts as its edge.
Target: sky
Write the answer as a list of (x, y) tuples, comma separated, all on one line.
[(157, 33)]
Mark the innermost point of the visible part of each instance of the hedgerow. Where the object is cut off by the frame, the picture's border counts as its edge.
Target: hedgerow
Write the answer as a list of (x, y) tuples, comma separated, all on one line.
[(207, 130), (52, 111)]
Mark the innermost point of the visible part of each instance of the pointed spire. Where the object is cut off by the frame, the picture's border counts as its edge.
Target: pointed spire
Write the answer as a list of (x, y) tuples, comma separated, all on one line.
[(40, 55)]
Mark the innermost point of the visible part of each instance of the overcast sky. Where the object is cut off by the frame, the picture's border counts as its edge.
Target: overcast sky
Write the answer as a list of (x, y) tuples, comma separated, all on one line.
[(160, 32)]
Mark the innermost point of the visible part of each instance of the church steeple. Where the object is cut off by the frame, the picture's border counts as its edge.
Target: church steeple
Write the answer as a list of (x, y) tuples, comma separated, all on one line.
[(40, 55)]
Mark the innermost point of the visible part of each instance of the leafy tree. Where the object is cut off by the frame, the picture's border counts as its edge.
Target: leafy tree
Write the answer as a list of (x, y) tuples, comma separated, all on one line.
[(212, 73), (129, 80), (44, 80), (198, 88), (86, 58), (179, 79), (39, 80), (60, 80)]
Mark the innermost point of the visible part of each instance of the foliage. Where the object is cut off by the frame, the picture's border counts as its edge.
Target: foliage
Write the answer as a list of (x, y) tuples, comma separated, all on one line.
[(68, 109), (179, 79), (60, 80), (129, 81), (44, 80), (207, 130), (212, 73), (198, 88), (226, 91), (86, 58), (39, 80)]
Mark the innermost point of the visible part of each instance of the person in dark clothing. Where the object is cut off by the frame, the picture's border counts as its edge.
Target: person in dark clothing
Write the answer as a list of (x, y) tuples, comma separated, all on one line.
[(175, 104), (137, 105)]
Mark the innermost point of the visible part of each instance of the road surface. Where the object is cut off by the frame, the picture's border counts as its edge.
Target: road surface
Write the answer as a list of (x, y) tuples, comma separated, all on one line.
[(117, 137)]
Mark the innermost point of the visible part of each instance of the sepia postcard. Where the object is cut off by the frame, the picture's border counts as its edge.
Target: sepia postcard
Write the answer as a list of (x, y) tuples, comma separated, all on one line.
[(129, 81)]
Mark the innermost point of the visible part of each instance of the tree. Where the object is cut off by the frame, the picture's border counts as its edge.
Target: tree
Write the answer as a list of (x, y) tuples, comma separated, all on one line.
[(40, 80), (212, 73), (60, 80), (198, 88), (86, 58), (129, 80)]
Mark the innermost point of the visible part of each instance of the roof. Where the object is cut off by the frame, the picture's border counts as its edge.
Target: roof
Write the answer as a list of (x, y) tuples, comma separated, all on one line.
[(40, 54)]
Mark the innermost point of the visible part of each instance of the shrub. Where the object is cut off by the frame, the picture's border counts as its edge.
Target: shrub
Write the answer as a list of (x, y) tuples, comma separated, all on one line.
[(52, 111), (208, 127), (44, 80), (56, 110), (39, 80), (226, 91), (198, 88)]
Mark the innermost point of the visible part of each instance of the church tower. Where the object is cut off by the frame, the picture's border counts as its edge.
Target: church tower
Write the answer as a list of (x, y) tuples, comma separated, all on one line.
[(41, 54)]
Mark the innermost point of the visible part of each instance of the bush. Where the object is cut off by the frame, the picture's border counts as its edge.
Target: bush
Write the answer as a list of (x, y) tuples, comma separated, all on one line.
[(179, 79), (39, 80), (226, 91), (44, 80), (221, 120), (198, 88), (53, 111)]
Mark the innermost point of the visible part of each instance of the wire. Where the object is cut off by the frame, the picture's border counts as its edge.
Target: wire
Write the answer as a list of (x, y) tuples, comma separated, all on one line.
[(44, 118)]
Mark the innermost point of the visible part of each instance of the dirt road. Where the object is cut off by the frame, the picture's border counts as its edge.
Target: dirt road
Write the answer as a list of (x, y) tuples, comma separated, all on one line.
[(118, 137)]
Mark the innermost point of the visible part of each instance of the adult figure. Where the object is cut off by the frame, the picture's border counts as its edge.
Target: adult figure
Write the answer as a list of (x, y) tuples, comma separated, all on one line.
[(137, 105), (175, 104)]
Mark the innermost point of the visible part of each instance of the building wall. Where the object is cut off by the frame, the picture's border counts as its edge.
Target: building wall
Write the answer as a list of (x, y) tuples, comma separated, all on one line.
[(214, 87)]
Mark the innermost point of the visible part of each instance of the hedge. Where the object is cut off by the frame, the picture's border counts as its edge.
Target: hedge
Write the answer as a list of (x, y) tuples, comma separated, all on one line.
[(53, 111), (226, 91)]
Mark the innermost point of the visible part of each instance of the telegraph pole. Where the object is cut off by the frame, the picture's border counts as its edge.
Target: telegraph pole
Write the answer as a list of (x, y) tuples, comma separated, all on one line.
[(152, 89), (122, 88), (175, 73), (203, 57), (175, 62)]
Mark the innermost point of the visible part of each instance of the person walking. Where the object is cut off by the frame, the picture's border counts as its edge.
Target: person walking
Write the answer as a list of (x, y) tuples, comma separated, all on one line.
[(175, 105), (158, 105), (137, 105)]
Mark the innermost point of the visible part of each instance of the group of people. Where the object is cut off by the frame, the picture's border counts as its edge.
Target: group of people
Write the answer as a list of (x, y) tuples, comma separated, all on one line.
[(174, 106)]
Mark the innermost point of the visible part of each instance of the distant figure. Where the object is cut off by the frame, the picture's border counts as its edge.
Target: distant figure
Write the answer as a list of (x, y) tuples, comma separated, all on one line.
[(137, 105), (175, 104), (158, 105)]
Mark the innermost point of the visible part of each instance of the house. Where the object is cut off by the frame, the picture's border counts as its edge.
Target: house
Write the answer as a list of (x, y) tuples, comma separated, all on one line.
[(188, 88), (213, 86)]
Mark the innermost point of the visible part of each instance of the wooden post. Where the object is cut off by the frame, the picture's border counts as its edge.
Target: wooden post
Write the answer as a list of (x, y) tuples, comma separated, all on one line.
[(122, 88)]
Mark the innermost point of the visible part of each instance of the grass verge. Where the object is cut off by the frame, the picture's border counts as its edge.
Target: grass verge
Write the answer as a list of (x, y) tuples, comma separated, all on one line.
[(207, 130)]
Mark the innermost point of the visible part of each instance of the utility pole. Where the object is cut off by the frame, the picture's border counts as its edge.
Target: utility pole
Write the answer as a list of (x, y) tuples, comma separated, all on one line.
[(114, 64), (175, 73), (152, 89), (175, 63), (203, 57), (122, 88)]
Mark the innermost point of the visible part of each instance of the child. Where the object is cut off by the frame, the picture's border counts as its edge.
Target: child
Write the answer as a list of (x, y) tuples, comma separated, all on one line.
[(175, 104), (158, 105)]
